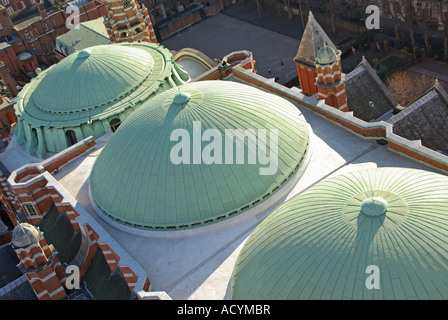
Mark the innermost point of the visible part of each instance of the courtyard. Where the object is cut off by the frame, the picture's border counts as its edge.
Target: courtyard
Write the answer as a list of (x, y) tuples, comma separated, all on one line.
[(221, 34)]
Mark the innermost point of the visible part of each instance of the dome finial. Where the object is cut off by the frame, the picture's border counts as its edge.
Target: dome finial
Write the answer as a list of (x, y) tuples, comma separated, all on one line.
[(181, 98), (374, 206), (84, 53), (326, 55)]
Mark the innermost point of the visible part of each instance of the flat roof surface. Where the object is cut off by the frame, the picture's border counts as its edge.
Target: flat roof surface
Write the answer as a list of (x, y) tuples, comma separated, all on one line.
[(200, 267)]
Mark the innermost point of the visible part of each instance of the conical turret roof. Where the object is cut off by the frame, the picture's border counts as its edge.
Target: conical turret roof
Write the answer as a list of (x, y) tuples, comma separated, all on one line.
[(314, 38)]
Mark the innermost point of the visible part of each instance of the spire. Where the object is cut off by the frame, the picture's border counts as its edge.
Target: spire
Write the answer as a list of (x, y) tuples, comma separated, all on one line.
[(314, 38)]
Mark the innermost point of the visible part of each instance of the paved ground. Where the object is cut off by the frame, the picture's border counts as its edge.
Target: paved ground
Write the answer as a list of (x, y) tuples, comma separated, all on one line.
[(434, 69), (221, 34)]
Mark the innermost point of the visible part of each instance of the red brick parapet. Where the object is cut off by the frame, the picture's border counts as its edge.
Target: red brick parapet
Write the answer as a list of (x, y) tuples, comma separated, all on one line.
[(378, 130)]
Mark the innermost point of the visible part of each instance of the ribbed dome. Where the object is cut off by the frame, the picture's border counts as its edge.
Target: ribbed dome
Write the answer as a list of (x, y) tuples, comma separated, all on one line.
[(326, 55), (135, 181), (91, 77), (90, 91), (24, 234), (319, 244)]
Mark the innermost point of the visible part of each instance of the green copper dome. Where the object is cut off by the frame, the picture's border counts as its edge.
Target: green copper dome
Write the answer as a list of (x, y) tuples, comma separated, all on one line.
[(91, 92), (323, 243), (91, 77), (136, 181)]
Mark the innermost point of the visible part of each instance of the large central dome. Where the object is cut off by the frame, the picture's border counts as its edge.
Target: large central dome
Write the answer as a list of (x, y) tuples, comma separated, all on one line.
[(136, 182), (92, 77)]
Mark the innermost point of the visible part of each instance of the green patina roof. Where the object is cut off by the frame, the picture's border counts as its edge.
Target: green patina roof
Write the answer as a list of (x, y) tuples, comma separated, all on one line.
[(91, 77), (134, 181), (96, 83), (319, 244)]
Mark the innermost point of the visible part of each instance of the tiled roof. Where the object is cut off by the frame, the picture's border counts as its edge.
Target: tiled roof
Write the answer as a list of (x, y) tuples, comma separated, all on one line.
[(103, 283), (24, 17), (23, 291), (59, 231), (426, 120), (8, 265), (367, 96)]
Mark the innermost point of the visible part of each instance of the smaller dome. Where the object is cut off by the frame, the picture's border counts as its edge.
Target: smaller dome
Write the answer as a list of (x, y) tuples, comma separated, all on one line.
[(24, 234), (321, 243), (326, 55)]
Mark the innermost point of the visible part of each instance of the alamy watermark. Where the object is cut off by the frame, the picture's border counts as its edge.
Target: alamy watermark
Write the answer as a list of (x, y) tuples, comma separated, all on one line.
[(72, 21), (189, 149), (72, 280), (373, 280), (373, 21)]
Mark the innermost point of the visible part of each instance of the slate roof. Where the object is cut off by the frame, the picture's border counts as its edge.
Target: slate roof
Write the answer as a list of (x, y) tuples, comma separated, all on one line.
[(367, 96), (425, 120), (59, 231), (8, 265), (24, 291), (103, 283), (314, 38)]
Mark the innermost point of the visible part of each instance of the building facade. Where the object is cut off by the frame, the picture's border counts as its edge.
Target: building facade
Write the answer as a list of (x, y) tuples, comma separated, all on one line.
[(128, 22)]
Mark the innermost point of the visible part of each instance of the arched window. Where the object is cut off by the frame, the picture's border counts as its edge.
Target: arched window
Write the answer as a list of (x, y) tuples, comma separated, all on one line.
[(34, 134), (114, 124), (71, 137)]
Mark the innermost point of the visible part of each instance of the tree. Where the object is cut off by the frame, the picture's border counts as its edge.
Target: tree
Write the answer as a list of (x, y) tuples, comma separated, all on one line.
[(422, 15), (332, 16), (408, 15), (395, 15), (406, 87), (287, 4), (444, 20)]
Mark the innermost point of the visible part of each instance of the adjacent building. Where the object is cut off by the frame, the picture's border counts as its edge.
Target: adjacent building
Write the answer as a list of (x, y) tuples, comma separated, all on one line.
[(128, 22)]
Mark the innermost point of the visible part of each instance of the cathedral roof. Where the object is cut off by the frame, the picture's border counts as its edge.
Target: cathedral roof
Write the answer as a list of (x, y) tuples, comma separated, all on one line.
[(323, 243)]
